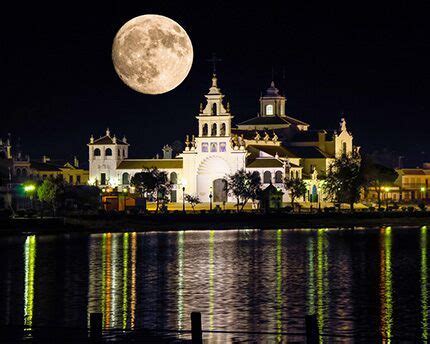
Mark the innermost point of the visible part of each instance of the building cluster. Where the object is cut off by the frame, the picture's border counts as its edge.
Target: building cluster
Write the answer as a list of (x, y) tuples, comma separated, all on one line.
[(273, 143), (17, 169)]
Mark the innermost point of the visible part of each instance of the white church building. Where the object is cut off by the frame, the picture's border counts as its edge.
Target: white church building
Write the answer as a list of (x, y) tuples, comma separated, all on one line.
[(273, 143)]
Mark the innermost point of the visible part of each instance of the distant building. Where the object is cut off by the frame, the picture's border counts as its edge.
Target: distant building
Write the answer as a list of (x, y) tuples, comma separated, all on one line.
[(70, 172), (274, 144), (17, 168), (413, 183)]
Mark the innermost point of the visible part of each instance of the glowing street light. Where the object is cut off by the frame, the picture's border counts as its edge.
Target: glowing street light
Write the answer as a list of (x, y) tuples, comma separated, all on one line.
[(29, 188), (423, 192), (184, 184)]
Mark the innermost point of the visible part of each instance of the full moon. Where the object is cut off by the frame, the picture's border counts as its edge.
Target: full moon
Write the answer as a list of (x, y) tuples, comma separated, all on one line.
[(152, 54)]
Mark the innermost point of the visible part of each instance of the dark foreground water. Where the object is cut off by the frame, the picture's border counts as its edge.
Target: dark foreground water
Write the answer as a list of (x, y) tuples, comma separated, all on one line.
[(368, 284)]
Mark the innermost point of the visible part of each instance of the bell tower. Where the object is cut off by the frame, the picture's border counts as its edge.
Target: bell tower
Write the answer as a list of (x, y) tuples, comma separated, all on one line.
[(215, 118), (272, 103)]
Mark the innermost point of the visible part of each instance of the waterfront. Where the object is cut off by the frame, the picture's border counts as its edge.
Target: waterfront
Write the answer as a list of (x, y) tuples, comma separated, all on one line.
[(365, 283)]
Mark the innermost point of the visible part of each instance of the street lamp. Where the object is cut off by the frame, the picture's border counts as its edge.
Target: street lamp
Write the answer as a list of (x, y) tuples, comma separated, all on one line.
[(29, 190), (423, 190), (184, 184), (210, 197), (387, 190)]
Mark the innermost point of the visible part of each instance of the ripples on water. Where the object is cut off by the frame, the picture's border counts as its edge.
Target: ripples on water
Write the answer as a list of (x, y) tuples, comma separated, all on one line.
[(364, 283)]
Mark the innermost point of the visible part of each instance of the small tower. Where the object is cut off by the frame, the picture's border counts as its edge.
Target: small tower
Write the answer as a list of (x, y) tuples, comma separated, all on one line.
[(105, 154), (214, 118), (272, 103)]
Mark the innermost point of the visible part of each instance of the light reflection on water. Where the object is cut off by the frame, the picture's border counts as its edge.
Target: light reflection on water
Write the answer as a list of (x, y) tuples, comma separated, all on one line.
[(250, 280)]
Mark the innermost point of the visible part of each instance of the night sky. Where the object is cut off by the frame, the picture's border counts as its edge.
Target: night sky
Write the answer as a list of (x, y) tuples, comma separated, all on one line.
[(367, 62)]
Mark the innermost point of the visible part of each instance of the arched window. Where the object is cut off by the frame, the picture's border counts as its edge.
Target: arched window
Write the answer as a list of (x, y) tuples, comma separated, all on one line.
[(173, 178), (205, 129), (119, 152), (108, 152), (267, 177), (343, 148), (213, 130), (125, 178), (18, 172), (97, 152), (278, 177), (123, 153), (24, 172), (269, 109), (297, 175), (222, 129), (213, 109)]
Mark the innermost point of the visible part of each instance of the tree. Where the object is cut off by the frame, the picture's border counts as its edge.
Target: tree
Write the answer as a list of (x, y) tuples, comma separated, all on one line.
[(153, 182), (244, 186), (192, 200), (377, 176), (345, 180), (47, 192), (84, 196), (297, 188)]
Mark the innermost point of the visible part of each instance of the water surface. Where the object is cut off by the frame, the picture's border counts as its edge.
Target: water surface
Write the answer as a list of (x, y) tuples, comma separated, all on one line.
[(365, 283)]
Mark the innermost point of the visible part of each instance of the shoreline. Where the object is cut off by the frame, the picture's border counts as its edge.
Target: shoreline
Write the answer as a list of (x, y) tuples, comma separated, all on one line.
[(180, 222)]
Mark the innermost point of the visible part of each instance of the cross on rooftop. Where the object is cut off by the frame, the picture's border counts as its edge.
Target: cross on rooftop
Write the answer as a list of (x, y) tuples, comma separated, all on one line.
[(214, 59)]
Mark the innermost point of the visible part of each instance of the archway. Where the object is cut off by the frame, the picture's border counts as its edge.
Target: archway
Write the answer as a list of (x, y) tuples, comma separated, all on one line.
[(314, 194), (209, 170), (219, 190)]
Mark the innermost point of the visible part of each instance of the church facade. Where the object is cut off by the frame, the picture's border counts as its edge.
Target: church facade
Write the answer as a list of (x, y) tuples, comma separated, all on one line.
[(273, 143)]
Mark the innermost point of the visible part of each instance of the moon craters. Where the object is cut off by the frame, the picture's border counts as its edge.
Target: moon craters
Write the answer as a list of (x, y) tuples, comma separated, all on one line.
[(152, 54)]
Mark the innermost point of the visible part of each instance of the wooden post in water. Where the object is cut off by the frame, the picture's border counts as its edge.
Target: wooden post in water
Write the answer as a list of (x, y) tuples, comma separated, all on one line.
[(196, 328), (96, 320), (312, 331)]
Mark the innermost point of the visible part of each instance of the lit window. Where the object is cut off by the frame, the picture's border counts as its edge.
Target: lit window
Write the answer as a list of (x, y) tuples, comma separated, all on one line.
[(269, 109)]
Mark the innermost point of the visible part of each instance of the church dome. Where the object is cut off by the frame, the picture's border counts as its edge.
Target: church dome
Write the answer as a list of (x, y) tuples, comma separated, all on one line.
[(272, 91)]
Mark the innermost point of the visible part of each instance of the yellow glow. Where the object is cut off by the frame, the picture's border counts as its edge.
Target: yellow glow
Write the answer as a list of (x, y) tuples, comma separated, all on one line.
[(184, 182), (211, 281), (279, 285), (386, 285), (29, 188), (124, 280), (423, 189), (311, 276), (322, 279), (29, 267), (103, 277), (133, 280), (424, 283), (180, 304), (115, 282)]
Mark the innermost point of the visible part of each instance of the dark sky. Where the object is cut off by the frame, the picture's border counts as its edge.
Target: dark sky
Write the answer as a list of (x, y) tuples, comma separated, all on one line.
[(368, 62)]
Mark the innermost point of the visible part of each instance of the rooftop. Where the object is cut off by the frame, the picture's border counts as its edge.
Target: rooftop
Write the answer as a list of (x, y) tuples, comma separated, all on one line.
[(141, 164)]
